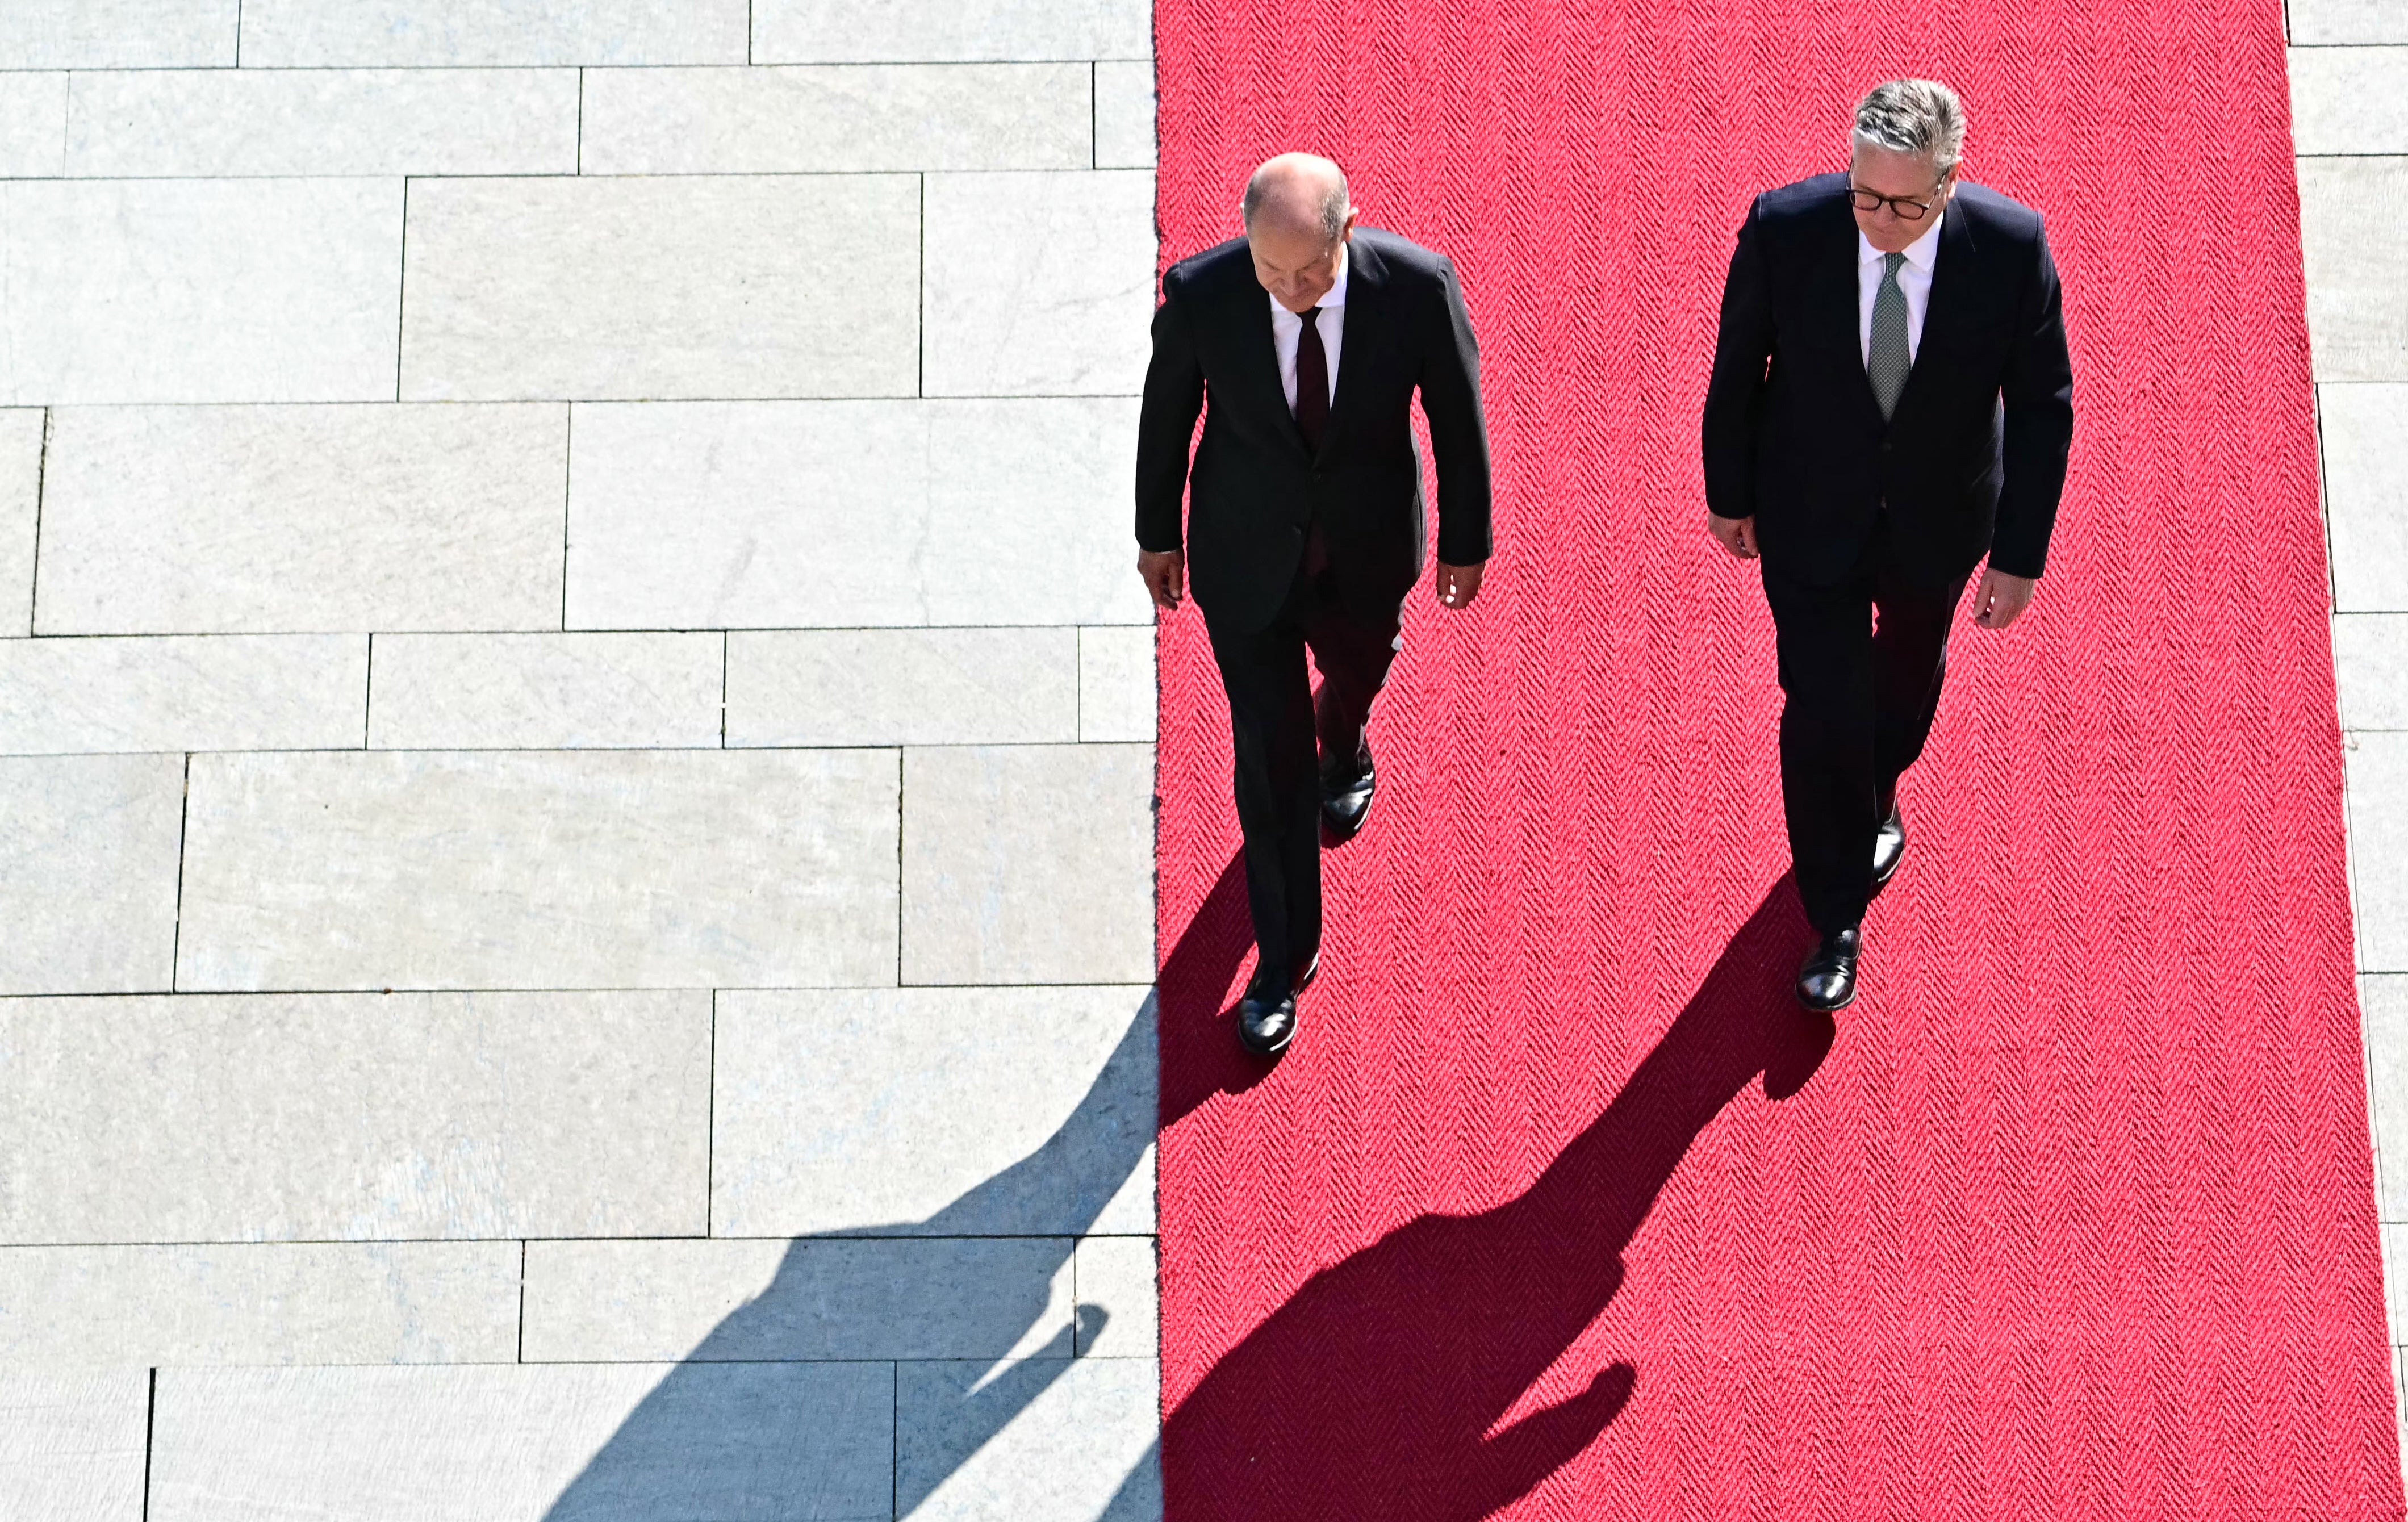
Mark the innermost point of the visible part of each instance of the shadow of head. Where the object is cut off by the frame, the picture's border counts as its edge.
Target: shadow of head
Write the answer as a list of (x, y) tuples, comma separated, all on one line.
[(1377, 1390)]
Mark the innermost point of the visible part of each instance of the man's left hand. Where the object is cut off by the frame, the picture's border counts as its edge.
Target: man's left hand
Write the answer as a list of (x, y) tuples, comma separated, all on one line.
[(1458, 585), (2002, 599)]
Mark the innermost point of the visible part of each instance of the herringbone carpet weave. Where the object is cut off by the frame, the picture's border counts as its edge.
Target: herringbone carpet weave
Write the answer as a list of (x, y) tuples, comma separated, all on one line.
[(1559, 1209)]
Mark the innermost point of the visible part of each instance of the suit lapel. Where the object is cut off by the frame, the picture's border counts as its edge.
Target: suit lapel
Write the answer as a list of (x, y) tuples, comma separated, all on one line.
[(1836, 297), (1943, 311), (1367, 282), (1254, 319)]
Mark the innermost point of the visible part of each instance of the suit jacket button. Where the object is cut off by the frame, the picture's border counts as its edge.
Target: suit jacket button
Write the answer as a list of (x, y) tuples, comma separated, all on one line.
[(1884, 446)]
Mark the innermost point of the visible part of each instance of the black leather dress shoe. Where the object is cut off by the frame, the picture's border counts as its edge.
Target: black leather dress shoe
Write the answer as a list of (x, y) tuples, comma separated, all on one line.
[(1828, 982), (1266, 1016), (1346, 801), (1890, 847)]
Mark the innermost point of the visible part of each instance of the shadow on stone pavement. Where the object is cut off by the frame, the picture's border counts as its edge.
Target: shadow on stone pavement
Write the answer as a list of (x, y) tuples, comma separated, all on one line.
[(647, 1470)]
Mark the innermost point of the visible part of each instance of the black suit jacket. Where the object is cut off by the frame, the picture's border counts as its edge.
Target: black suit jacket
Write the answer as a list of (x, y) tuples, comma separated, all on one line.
[(1254, 488), (1974, 459)]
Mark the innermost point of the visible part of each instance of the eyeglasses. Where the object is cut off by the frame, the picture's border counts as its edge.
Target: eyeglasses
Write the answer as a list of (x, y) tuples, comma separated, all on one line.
[(1907, 208)]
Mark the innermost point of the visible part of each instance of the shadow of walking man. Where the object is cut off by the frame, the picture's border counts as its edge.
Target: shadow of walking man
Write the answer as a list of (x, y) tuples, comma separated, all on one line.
[(685, 1446), (1373, 1393)]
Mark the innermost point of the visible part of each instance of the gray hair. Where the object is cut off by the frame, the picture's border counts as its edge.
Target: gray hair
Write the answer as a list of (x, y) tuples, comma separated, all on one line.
[(1920, 117), (1333, 208)]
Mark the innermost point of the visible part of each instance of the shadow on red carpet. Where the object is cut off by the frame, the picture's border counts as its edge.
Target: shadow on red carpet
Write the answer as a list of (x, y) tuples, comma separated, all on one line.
[(1376, 1390)]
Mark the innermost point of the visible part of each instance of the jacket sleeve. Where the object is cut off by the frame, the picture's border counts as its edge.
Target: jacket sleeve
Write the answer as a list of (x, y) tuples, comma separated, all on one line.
[(1166, 424), (2036, 393), (1735, 390), (1450, 385)]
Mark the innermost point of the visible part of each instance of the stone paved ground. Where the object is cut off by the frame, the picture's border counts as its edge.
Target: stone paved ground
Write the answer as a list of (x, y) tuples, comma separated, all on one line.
[(578, 878), (579, 863)]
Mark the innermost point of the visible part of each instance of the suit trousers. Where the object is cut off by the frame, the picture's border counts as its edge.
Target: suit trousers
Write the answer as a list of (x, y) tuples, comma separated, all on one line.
[(1285, 740), (1859, 699)]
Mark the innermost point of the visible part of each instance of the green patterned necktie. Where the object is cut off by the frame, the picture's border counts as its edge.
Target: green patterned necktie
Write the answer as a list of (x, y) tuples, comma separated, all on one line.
[(1888, 362)]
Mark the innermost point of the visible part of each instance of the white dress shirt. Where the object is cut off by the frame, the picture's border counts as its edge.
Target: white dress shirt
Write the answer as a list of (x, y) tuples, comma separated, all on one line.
[(1914, 282), (1287, 331)]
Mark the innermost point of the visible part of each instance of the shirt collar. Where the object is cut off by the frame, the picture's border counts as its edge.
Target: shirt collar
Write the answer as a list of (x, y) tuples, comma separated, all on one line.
[(1922, 253)]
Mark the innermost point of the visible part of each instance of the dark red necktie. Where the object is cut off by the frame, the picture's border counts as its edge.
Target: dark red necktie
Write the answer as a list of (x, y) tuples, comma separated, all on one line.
[(1312, 381)]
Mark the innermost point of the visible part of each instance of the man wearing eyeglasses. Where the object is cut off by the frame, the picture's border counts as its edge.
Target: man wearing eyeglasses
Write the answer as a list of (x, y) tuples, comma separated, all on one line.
[(1309, 335), (1891, 402)]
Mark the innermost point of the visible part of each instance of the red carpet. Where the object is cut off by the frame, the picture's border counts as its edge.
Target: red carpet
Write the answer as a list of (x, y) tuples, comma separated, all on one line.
[(1559, 1209)]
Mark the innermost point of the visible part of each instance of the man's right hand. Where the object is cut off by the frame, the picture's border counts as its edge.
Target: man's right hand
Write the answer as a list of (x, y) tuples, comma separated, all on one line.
[(1737, 535), (1165, 576)]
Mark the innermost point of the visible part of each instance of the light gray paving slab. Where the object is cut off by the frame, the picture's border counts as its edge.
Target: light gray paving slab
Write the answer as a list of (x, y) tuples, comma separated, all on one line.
[(2349, 100), (934, 1112), (20, 502), (2326, 23), (88, 872), (1117, 690), (2376, 765), (119, 33), (1028, 864), (1081, 1446), (846, 514), (902, 686), (2382, 1004), (199, 291), (546, 691), (354, 1117), (602, 1443), (256, 519), (2354, 234), (1118, 1275), (717, 285), (324, 121), (71, 1444), (2371, 668), (418, 33), (1124, 128), (1039, 284), (260, 1303), (912, 30), (33, 124), (183, 693), (764, 120), (539, 869), (810, 1299), (2366, 493)]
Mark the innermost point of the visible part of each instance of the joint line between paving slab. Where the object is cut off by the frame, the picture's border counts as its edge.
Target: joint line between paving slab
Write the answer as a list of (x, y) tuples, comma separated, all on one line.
[(580, 111), (149, 1439), (42, 485), (367, 697), (184, 821), (711, 1117), (401, 290), (523, 1278), (568, 484), (920, 310), (615, 1238)]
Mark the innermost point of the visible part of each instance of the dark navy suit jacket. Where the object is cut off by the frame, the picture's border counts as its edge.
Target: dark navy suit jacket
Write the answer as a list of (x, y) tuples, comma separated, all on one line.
[(1255, 489), (1971, 463)]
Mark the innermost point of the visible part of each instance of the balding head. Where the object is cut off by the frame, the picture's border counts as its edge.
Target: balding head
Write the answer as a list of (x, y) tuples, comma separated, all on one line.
[(1300, 193), (1298, 220)]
